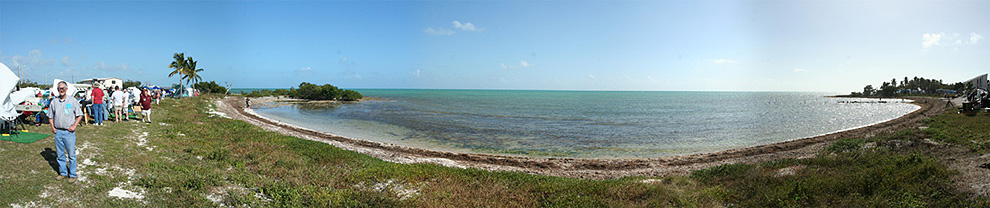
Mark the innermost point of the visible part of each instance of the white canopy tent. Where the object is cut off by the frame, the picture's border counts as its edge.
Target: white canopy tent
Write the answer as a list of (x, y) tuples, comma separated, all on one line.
[(8, 80), (54, 88)]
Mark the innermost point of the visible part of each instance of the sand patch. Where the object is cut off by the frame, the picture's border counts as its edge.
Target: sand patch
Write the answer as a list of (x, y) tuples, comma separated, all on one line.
[(143, 141), (221, 196), (401, 190), (122, 193), (788, 171), (213, 112)]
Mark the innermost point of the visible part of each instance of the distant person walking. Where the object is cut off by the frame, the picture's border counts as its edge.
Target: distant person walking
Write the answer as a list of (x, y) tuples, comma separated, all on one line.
[(146, 98), (63, 115), (118, 97), (98, 106)]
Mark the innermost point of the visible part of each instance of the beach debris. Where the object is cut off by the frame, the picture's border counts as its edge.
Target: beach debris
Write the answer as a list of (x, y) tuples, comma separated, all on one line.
[(652, 180), (896, 144), (870, 145)]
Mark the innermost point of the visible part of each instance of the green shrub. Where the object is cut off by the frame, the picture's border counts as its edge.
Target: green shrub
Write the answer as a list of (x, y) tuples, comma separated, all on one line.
[(310, 91), (845, 145), (210, 87)]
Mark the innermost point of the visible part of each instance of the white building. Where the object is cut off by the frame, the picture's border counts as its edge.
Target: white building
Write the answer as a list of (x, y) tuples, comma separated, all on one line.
[(105, 82), (980, 82)]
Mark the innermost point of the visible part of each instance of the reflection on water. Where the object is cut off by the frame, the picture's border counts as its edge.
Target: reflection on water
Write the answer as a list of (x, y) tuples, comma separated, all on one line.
[(586, 124)]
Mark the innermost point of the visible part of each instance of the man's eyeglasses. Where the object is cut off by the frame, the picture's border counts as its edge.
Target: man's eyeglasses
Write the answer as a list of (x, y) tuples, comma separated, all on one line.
[(61, 88)]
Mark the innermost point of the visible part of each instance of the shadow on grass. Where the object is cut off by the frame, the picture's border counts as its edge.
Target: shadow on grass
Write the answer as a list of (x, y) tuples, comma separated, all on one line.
[(51, 157)]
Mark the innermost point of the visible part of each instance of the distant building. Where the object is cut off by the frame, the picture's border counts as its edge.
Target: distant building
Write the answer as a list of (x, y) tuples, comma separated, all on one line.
[(105, 82), (980, 82)]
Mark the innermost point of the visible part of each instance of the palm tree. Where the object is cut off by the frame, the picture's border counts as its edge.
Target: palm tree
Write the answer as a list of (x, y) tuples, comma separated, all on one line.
[(180, 67), (192, 72)]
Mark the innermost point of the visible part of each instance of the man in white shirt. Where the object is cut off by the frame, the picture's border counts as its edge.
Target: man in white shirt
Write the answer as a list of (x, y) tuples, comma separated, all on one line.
[(118, 97)]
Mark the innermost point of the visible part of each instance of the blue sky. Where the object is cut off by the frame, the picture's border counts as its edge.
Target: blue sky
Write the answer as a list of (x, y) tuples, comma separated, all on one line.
[(825, 46)]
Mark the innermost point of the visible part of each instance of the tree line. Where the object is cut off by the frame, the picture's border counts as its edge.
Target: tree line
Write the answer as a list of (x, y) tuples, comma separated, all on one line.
[(311, 91), (918, 85)]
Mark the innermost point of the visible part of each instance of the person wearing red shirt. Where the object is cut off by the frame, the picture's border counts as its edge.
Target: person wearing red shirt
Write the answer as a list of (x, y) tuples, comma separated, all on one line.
[(146, 105), (98, 106)]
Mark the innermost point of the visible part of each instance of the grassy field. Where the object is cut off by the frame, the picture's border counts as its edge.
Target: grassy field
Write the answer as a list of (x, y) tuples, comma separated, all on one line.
[(192, 158)]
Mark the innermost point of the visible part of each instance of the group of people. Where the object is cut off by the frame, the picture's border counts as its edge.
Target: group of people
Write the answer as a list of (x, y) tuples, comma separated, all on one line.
[(121, 101)]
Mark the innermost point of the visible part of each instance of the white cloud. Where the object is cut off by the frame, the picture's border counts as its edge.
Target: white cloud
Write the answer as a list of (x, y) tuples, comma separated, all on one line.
[(975, 38), (417, 73), (102, 66), (438, 31), (466, 26), (66, 61), (34, 58), (592, 76), (723, 61), (522, 64), (929, 40), (346, 61), (306, 69), (799, 70)]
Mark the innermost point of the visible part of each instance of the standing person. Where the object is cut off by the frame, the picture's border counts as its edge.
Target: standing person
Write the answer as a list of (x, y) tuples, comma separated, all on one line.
[(127, 102), (118, 98), (98, 105), (63, 115), (158, 96), (146, 105)]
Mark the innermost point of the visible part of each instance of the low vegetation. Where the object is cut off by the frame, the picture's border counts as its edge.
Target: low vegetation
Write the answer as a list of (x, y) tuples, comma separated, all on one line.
[(210, 87), (192, 157), (24, 83), (972, 132), (311, 92)]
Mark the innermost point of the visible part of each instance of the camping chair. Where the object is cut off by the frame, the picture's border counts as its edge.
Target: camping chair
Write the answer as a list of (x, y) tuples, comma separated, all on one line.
[(8, 126)]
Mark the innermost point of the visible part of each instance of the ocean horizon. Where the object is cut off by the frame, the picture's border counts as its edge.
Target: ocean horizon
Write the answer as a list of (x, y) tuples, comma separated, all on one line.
[(585, 124)]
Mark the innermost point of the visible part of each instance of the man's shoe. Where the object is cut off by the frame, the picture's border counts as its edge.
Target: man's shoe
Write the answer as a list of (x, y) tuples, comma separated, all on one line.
[(72, 180), (59, 178)]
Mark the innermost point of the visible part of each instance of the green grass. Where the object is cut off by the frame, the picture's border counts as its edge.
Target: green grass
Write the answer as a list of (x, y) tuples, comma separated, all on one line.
[(872, 179), (199, 160), (972, 132)]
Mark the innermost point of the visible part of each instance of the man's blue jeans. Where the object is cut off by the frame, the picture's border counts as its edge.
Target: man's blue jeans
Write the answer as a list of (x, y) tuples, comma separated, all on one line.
[(65, 147), (98, 115)]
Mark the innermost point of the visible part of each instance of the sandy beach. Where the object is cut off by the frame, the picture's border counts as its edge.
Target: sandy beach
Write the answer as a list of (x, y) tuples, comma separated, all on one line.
[(579, 167)]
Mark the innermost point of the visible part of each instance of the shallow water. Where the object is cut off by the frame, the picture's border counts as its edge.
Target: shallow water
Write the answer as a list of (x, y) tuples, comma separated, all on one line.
[(586, 124)]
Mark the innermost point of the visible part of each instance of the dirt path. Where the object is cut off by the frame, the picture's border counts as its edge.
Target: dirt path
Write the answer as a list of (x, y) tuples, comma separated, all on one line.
[(587, 168)]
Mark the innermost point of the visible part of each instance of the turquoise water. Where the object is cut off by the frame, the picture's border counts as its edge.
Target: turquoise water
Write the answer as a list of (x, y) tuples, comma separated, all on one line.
[(586, 124)]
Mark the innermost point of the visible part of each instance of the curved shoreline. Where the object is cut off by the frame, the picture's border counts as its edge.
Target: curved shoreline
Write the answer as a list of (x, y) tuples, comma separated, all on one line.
[(582, 167)]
